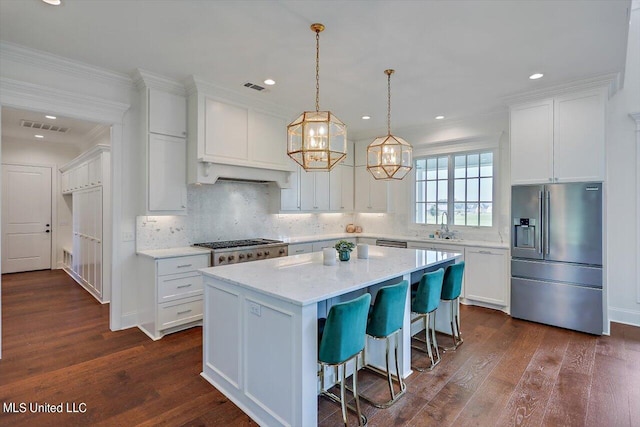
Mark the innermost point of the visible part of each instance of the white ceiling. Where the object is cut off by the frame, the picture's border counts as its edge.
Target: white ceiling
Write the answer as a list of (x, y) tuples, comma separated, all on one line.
[(80, 133), (455, 58)]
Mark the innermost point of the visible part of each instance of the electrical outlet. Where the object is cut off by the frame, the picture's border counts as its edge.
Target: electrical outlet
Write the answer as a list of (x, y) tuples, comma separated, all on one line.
[(128, 236), (254, 308)]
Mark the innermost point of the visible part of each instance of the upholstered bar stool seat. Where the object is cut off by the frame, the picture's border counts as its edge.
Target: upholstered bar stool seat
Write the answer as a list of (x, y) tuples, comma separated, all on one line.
[(451, 288), (385, 321), (342, 340), (423, 306)]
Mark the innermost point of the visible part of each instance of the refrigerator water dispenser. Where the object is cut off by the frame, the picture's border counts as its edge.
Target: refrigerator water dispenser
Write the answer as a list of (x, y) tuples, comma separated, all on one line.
[(524, 236)]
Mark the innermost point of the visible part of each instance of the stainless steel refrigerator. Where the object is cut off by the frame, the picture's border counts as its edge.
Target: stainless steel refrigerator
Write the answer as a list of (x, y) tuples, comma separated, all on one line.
[(556, 255)]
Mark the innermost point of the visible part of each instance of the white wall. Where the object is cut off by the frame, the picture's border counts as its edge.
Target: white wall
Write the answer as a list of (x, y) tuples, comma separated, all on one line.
[(54, 155), (468, 134), (622, 191)]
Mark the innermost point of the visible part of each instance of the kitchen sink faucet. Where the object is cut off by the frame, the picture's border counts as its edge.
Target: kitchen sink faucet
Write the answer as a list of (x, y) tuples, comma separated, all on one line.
[(444, 225)]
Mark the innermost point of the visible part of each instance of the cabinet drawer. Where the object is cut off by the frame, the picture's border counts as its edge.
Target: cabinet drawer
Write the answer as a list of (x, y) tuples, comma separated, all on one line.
[(300, 248), (178, 313), (184, 264), (179, 286)]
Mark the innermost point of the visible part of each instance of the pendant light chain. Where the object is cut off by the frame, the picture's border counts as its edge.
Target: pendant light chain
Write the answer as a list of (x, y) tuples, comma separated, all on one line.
[(389, 103), (317, 70)]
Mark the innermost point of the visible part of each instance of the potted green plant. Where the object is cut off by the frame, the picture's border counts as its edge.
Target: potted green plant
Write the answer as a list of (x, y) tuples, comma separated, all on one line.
[(344, 249)]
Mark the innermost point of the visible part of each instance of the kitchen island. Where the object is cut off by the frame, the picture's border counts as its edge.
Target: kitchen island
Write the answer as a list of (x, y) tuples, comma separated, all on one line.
[(260, 324)]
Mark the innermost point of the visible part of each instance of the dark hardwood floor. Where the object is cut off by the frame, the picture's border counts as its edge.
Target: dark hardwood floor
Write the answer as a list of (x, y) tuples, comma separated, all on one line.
[(57, 348)]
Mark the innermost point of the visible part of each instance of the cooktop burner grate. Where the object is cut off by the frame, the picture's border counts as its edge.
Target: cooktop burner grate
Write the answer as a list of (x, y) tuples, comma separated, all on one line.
[(236, 243)]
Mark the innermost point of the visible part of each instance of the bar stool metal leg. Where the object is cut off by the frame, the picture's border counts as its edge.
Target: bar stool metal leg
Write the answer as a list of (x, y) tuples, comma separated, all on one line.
[(431, 345), (342, 401), (456, 336)]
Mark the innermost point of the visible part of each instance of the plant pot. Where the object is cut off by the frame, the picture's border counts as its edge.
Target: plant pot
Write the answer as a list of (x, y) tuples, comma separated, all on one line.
[(344, 255)]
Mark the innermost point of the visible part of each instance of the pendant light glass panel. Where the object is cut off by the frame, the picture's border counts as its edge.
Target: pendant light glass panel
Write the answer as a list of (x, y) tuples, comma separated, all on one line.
[(317, 140), (389, 157)]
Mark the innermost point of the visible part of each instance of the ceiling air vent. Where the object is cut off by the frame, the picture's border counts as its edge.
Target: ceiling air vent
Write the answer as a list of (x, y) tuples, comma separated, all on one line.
[(42, 126), (254, 86)]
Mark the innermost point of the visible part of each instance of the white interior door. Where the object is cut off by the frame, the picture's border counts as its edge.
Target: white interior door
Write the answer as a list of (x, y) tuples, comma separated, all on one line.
[(26, 218)]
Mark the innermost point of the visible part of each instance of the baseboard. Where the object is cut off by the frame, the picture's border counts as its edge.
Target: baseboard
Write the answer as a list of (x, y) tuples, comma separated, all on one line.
[(628, 317), (129, 320)]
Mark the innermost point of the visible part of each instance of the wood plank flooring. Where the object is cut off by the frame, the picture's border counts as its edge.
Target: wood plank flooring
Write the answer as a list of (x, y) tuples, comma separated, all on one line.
[(58, 348)]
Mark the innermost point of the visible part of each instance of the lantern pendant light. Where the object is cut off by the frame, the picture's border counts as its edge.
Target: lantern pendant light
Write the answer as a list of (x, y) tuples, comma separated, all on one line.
[(317, 140), (389, 157)]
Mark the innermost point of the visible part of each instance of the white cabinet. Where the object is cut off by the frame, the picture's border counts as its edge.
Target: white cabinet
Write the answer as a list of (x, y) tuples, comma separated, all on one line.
[(486, 276), (167, 113), (559, 140), (300, 248), (314, 191), (86, 265), (341, 181), (371, 195), (319, 191), (163, 133), (167, 191), (170, 294), (87, 178), (320, 245)]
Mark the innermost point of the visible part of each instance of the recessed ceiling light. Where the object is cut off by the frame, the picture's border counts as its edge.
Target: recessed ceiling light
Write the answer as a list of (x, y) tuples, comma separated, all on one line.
[(39, 136), (439, 117), (51, 117), (536, 76), (270, 82), (366, 117), (52, 2)]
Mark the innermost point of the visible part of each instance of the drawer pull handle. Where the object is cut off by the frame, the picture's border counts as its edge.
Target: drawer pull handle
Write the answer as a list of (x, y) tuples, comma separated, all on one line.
[(299, 251), (485, 252), (184, 312), (184, 286), (185, 265)]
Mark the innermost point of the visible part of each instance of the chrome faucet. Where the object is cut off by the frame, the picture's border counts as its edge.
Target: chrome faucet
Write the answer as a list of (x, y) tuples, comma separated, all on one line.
[(444, 225)]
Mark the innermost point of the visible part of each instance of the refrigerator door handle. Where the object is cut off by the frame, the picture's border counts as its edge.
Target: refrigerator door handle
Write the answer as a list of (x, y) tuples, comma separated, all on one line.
[(545, 223), (540, 233)]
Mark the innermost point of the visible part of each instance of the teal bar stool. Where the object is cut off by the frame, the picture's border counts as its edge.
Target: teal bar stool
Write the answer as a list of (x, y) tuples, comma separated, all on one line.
[(385, 321), (342, 339), (424, 303), (451, 288)]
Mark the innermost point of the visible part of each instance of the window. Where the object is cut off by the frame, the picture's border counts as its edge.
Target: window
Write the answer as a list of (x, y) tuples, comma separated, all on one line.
[(460, 185)]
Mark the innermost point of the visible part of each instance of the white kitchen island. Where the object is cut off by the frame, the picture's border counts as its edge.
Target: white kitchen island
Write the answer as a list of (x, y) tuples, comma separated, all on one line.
[(260, 324)]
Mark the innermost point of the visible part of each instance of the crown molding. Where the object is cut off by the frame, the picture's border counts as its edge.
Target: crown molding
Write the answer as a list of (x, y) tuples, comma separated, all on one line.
[(96, 132), (59, 64), (146, 79), (636, 117), (610, 81), (89, 154), (18, 94)]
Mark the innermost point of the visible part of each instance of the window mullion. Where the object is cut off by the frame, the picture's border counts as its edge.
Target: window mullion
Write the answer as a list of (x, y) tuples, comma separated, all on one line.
[(450, 189)]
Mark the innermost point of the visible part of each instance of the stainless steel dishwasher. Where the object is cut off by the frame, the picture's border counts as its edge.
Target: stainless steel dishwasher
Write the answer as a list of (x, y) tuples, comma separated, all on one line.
[(391, 243)]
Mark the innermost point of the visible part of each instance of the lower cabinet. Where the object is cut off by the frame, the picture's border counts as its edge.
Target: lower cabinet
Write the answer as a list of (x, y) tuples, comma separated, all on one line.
[(300, 248), (486, 276), (170, 294)]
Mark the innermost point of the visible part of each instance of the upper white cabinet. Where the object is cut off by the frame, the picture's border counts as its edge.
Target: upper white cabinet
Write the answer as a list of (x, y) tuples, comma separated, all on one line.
[(371, 195), (164, 132), (320, 191), (560, 139), (167, 113), (167, 174), (85, 171)]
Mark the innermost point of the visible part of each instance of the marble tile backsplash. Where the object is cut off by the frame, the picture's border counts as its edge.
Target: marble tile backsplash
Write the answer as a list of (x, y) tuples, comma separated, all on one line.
[(229, 211)]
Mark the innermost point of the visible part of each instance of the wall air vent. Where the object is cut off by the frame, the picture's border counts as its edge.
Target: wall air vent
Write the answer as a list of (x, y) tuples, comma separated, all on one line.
[(254, 86), (43, 126)]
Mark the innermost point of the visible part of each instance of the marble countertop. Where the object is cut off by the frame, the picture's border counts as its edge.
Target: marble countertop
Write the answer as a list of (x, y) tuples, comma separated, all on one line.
[(416, 239), (304, 279), (174, 252)]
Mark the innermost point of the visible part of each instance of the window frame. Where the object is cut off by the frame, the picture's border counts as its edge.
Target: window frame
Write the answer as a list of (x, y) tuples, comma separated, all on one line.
[(451, 154)]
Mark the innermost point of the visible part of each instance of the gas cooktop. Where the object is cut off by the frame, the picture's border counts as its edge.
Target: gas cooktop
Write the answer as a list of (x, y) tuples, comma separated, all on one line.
[(237, 243)]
